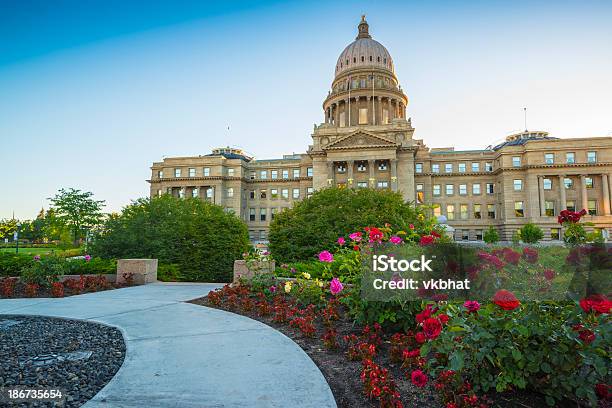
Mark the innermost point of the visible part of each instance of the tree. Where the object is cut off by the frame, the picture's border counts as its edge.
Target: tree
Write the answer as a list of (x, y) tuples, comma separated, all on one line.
[(531, 233), (7, 228), (491, 236), (314, 224), (199, 237), (77, 210)]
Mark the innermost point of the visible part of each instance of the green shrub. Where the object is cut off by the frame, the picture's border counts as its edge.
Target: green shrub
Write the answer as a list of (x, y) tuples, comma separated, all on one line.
[(314, 224), (491, 236), (44, 271), (93, 267), (535, 347), (531, 233), (199, 237), (11, 264), (168, 272)]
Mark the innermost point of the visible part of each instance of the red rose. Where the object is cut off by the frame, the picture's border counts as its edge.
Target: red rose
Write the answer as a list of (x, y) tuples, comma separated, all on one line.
[(356, 248), (511, 256), (426, 240), (420, 337), (418, 378), (530, 255), (549, 274), (432, 327), (603, 391), (420, 317), (506, 300), (596, 303), (587, 336), (435, 234), (443, 318)]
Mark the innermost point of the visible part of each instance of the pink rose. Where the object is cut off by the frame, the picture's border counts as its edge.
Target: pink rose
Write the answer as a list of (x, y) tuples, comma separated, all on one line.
[(341, 241), (355, 236), (326, 256), (87, 258), (335, 286), (395, 240), (472, 305)]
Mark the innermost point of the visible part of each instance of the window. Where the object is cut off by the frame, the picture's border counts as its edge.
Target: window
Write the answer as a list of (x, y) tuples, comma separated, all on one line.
[(476, 188), (549, 208), (448, 168), (420, 194), (194, 192), (160, 174), (252, 175), (382, 166), (285, 193), (465, 235), (570, 158), (182, 193), (475, 167), (274, 193), (450, 212), (435, 168), (177, 172), (342, 119), (592, 204), (263, 174), (361, 167), (385, 116), (463, 211), (549, 158), (230, 192), (210, 193), (437, 211), (591, 157), (159, 193), (362, 184), (296, 193), (251, 214), (488, 166), (263, 194), (273, 212), (230, 172), (571, 205), (490, 188), (252, 194), (518, 185), (555, 234), (263, 212), (418, 168), (191, 172), (309, 172), (462, 189), (547, 183), (341, 168), (519, 210), (461, 167), (516, 161), (477, 213), (568, 182), (206, 171), (382, 184), (491, 211), (262, 234), (363, 116), (450, 189), (478, 235), (309, 191), (274, 174), (436, 189), (589, 182), (286, 174), (296, 173)]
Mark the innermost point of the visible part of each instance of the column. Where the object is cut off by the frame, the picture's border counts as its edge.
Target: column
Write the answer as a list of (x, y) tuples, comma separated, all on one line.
[(379, 109), (394, 182), (330, 173), (372, 180), (369, 101), (583, 194), (374, 99), (563, 201), (350, 164), (391, 109), (336, 113), (605, 187), (541, 195)]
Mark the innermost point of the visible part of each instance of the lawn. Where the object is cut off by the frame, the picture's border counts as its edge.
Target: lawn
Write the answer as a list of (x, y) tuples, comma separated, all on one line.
[(32, 251)]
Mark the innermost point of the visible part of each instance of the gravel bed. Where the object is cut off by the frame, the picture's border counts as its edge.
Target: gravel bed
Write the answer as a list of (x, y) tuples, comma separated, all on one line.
[(75, 356)]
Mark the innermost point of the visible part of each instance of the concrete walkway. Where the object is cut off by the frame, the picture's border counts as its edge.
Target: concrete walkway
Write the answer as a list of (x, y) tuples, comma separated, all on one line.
[(184, 355)]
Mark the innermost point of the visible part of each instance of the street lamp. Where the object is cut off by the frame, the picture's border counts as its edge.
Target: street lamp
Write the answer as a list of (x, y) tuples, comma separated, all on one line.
[(16, 237)]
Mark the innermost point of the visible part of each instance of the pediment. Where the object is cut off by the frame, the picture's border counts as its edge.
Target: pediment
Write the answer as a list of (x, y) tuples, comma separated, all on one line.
[(360, 140)]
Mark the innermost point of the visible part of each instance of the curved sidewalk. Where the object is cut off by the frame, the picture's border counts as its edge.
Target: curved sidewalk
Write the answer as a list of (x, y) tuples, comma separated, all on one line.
[(184, 355)]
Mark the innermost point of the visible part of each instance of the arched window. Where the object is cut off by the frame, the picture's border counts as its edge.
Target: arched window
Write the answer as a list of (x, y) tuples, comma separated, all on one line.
[(370, 58), (347, 61), (362, 58), (385, 61), (354, 60), (378, 59)]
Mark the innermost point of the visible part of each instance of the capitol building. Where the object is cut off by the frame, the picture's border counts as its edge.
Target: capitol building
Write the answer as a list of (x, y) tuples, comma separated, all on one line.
[(367, 141)]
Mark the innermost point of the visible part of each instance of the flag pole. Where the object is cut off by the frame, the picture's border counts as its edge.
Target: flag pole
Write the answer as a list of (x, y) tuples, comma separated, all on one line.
[(349, 104)]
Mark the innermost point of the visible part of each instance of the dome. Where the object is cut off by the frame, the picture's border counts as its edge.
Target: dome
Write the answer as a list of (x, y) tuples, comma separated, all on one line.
[(364, 52)]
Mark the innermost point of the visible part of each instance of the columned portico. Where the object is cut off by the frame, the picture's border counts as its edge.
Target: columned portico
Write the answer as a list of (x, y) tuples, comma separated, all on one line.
[(606, 194), (562, 195), (583, 193)]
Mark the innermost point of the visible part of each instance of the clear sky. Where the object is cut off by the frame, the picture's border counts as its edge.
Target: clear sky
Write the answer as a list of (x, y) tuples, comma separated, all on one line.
[(91, 93)]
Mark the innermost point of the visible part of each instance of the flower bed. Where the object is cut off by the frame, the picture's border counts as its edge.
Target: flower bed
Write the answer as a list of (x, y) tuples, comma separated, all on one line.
[(522, 343)]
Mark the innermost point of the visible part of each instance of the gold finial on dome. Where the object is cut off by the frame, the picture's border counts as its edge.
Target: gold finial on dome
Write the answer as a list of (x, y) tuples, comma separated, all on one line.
[(363, 28)]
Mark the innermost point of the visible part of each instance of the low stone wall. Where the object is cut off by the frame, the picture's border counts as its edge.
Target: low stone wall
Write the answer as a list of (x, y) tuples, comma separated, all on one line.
[(142, 271), (110, 277), (246, 271)]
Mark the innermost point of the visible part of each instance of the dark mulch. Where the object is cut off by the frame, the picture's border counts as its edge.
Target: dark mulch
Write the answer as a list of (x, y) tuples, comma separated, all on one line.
[(45, 292), (49, 338)]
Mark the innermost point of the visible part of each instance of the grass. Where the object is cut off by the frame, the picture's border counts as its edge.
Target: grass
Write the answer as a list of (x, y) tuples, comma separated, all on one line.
[(31, 251)]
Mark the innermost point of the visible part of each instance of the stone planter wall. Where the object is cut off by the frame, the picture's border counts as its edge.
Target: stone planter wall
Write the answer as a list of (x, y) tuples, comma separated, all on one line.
[(143, 271), (242, 270)]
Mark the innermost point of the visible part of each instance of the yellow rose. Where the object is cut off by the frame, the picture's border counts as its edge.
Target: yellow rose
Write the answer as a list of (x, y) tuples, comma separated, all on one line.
[(306, 275), (288, 286), (318, 282)]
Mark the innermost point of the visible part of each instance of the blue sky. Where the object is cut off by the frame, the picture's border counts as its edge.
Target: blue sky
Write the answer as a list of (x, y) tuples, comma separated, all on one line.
[(91, 93)]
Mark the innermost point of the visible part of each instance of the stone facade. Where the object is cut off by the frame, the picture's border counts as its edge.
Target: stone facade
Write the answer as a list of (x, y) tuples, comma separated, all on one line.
[(366, 141)]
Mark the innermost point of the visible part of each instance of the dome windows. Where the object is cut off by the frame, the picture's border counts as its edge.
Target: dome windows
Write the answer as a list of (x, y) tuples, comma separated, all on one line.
[(354, 60), (362, 58), (370, 58)]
